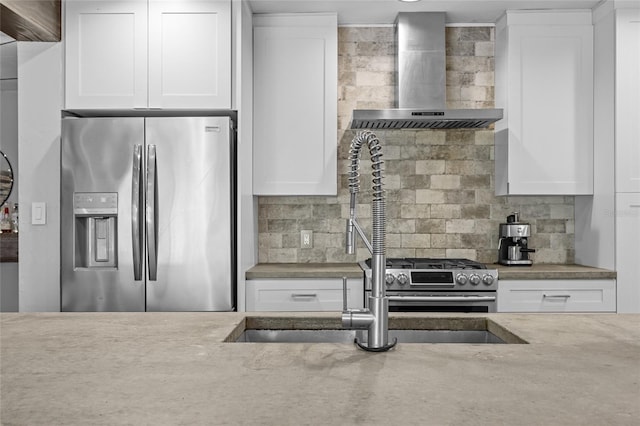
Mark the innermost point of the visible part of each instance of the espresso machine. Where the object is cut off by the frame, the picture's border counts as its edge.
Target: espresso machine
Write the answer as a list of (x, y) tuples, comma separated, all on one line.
[(513, 246)]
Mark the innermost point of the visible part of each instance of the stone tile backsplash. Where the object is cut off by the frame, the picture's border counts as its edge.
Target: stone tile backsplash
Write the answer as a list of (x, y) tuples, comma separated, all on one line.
[(439, 184)]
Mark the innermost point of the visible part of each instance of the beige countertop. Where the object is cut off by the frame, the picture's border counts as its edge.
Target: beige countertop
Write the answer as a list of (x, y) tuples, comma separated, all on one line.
[(551, 272), (352, 270), (304, 270), (174, 368)]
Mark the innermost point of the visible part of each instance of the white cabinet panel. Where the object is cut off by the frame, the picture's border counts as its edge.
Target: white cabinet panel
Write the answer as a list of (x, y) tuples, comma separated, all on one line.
[(302, 294), (148, 54), (106, 54), (544, 81), (627, 100), (189, 54), (608, 224), (295, 105), (627, 249), (557, 296)]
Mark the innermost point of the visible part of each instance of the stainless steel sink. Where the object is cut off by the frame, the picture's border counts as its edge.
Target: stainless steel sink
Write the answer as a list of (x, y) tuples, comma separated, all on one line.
[(470, 330), (348, 336)]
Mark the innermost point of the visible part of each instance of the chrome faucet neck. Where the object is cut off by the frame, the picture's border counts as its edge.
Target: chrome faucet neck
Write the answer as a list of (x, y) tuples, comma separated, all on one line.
[(376, 318)]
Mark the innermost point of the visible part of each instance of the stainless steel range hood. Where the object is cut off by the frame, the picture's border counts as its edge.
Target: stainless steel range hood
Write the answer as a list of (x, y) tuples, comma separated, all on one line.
[(420, 82)]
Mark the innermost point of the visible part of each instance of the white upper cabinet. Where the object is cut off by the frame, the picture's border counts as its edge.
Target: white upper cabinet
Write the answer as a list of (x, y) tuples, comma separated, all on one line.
[(544, 82), (148, 54), (189, 54), (106, 54), (295, 104), (627, 100)]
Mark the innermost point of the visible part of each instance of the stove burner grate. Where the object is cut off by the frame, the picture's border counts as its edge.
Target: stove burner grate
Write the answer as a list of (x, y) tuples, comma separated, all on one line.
[(429, 263)]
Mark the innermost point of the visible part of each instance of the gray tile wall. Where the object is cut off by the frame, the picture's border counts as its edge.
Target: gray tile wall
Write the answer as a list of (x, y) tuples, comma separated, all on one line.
[(439, 184)]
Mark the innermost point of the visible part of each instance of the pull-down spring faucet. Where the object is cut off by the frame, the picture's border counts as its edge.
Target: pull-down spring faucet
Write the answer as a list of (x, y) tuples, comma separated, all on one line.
[(376, 318)]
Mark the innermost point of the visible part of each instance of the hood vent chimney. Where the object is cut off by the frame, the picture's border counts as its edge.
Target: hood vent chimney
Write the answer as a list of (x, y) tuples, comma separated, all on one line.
[(420, 73)]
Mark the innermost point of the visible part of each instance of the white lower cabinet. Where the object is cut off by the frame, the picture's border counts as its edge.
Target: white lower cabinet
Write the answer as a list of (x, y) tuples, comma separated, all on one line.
[(302, 294), (627, 265), (557, 295)]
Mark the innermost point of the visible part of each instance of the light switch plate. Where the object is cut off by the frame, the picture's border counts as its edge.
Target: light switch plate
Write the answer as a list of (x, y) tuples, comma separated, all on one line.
[(39, 213)]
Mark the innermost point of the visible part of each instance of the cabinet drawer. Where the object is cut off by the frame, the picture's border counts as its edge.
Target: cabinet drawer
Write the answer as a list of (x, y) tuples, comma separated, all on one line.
[(302, 295), (557, 296)]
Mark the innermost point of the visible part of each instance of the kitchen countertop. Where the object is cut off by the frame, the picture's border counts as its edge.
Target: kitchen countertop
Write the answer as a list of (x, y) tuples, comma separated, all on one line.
[(352, 270), (174, 368), (552, 272), (304, 270)]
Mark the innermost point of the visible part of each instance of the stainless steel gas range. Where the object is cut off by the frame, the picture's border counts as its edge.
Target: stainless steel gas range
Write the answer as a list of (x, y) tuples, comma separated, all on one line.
[(436, 285)]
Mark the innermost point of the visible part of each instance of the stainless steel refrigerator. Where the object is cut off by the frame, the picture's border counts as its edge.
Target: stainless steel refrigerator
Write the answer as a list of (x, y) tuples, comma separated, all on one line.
[(147, 214)]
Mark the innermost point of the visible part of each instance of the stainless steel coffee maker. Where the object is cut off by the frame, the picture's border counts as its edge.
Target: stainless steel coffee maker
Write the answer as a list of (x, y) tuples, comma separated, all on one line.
[(513, 246)]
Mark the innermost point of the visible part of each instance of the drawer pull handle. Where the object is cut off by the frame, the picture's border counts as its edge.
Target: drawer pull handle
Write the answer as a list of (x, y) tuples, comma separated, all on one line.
[(304, 295), (556, 296), (634, 205)]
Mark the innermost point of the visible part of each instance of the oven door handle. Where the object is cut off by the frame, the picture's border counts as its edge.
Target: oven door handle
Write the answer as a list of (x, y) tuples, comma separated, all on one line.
[(441, 298)]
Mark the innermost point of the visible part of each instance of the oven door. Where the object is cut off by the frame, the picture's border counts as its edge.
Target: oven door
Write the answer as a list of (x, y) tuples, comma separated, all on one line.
[(441, 301)]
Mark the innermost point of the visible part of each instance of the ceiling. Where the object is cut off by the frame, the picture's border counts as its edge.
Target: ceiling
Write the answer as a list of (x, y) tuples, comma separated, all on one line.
[(376, 12)]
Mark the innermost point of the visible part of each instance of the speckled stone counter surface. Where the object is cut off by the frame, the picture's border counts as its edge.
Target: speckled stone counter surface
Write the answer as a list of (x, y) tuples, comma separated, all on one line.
[(552, 272), (174, 368), (352, 270), (304, 270)]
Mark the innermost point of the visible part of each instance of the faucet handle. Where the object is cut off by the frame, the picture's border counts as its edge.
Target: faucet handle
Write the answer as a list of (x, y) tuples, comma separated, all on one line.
[(344, 294), (350, 242)]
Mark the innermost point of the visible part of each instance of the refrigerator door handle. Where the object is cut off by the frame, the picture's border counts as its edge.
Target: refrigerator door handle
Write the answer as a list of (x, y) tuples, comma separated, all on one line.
[(152, 213), (136, 212)]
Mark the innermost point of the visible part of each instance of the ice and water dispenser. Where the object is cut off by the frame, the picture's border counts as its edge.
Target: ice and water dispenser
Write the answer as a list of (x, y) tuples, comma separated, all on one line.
[(96, 229)]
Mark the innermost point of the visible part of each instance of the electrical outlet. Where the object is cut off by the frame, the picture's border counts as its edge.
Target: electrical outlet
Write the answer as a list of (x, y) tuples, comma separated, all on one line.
[(306, 238)]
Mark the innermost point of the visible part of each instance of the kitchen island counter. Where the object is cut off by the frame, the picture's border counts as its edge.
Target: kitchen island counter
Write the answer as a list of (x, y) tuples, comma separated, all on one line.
[(175, 368)]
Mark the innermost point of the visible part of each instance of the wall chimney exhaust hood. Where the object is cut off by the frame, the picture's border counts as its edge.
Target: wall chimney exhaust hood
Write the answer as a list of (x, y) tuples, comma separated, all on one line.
[(420, 82)]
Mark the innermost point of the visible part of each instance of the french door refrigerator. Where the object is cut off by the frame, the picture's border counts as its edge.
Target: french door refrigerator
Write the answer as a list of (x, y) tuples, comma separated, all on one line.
[(147, 214)]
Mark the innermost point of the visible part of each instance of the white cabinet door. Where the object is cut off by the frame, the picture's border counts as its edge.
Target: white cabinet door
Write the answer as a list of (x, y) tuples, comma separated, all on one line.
[(627, 249), (189, 54), (295, 105), (557, 296), (302, 294), (148, 54), (106, 54), (627, 100), (544, 81)]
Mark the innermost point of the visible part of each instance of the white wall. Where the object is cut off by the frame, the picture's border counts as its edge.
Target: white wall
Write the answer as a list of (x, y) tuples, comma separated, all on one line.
[(39, 105), (242, 101)]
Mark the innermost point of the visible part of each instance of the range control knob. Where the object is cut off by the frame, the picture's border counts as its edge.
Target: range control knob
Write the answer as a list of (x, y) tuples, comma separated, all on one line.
[(474, 279), (488, 279), (462, 279), (389, 279), (403, 279)]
